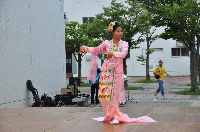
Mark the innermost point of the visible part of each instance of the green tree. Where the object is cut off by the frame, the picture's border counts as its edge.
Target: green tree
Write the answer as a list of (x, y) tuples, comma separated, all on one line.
[(148, 34), (74, 38), (96, 31), (181, 19)]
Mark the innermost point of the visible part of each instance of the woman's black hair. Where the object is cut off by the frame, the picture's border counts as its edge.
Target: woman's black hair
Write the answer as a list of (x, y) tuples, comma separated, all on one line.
[(116, 26)]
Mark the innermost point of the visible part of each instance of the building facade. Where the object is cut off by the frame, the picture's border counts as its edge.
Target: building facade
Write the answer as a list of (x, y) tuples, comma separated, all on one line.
[(31, 47)]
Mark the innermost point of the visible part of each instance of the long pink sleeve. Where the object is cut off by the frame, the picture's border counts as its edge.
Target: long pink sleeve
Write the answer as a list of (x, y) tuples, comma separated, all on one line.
[(95, 51), (99, 49), (123, 52)]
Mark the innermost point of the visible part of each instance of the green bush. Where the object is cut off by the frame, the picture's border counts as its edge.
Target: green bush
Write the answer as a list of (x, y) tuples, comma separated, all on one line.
[(146, 81)]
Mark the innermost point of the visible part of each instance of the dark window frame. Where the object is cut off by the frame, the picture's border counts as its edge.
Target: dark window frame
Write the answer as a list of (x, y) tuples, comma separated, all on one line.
[(87, 19), (179, 51), (175, 52)]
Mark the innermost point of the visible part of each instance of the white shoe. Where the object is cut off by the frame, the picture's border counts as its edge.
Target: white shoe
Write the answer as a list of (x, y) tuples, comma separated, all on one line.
[(122, 103), (155, 99), (114, 121)]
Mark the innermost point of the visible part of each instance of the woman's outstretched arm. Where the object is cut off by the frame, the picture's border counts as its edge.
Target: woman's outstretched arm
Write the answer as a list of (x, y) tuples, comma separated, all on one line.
[(97, 50)]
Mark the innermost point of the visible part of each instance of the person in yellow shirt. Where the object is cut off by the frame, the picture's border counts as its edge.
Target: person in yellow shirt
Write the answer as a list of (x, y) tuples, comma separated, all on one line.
[(160, 74)]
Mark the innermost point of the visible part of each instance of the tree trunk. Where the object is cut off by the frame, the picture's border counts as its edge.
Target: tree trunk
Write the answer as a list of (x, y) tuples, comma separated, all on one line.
[(147, 60), (198, 57), (125, 66), (125, 72), (147, 68), (102, 59), (199, 69), (79, 69), (125, 69), (193, 69)]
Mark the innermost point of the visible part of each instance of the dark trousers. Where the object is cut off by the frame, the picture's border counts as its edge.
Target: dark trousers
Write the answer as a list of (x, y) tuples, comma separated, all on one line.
[(94, 93)]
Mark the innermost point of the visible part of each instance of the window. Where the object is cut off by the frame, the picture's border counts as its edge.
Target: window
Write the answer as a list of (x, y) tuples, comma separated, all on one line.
[(176, 52), (180, 52), (87, 19)]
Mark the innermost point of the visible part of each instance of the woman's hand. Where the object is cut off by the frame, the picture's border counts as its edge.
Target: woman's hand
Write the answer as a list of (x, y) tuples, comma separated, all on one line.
[(109, 55), (83, 49)]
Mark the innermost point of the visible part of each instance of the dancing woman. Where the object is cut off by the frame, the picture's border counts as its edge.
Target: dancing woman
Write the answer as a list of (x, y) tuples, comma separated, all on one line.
[(111, 83)]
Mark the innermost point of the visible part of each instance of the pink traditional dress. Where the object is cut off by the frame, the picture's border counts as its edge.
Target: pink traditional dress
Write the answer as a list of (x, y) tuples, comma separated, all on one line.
[(111, 83)]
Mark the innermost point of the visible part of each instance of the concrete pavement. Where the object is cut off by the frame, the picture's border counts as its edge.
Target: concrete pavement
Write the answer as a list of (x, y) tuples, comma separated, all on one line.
[(177, 113), (171, 118)]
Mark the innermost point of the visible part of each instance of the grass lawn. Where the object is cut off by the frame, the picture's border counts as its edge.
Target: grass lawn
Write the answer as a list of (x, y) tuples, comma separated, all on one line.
[(130, 87), (146, 81), (188, 92), (190, 84)]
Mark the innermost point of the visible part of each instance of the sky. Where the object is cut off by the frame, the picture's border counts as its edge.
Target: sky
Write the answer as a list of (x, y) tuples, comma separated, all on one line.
[(76, 9)]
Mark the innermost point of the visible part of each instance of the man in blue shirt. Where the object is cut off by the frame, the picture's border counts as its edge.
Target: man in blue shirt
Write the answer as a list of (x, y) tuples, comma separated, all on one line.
[(95, 88)]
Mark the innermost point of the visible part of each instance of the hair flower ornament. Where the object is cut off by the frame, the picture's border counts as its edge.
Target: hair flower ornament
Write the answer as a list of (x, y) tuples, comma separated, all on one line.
[(110, 26)]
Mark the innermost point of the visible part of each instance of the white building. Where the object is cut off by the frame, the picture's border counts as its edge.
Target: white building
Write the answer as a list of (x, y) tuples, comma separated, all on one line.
[(173, 54), (31, 47)]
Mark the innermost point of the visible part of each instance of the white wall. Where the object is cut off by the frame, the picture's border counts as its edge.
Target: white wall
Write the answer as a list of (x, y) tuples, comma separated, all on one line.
[(31, 47)]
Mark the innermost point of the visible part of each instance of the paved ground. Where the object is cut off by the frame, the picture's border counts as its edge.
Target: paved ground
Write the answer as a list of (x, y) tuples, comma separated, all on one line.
[(175, 114), (172, 118)]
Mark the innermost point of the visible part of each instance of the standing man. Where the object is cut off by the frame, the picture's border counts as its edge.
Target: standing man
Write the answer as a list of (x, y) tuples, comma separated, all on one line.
[(160, 74), (95, 88)]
